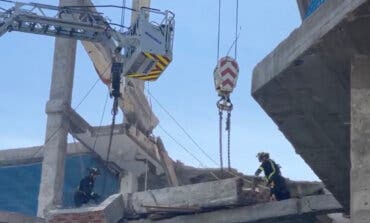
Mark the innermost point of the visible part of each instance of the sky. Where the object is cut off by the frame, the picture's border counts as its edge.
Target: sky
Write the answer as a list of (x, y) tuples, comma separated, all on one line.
[(185, 89)]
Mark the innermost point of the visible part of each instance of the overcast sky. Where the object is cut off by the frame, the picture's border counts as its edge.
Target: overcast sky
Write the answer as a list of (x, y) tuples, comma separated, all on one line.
[(186, 88)]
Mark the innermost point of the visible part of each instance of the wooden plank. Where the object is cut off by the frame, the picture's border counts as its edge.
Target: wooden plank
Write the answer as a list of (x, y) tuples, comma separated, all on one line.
[(143, 141), (167, 164)]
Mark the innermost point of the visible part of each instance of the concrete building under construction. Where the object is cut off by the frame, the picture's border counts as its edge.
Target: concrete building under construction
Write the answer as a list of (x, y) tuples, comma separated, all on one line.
[(313, 86)]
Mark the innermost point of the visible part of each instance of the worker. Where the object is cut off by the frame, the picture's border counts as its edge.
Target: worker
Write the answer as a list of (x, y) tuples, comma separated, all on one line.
[(84, 192), (275, 181)]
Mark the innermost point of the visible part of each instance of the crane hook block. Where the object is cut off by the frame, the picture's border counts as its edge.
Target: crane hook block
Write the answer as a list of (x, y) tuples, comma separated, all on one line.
[(226, 76), (116, 79)]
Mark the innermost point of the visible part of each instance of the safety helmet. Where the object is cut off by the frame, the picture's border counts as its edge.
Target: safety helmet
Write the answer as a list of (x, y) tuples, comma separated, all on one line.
[(94, 171), (262, 155)]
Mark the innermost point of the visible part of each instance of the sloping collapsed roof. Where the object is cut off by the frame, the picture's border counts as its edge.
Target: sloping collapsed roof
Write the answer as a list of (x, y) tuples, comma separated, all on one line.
[(221, 201)]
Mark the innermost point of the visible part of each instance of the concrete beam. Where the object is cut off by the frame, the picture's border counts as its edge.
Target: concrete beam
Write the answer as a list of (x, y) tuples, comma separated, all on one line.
[(201, 196), (93, 138), (303, 6), (266, 212), (148, 144), (34, 154), (77, 123), (124, 151), (304, 87), (167, 164), (331, 13), (360, 139)]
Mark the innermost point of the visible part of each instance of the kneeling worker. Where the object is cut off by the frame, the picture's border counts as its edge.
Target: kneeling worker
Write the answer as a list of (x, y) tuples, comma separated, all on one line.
[(84, 192), (275, 181)]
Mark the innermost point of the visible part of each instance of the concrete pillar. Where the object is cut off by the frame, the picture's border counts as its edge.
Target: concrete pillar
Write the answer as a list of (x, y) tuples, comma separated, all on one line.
[(129, 183), (136, 5), (52, 176), (302, 7), (360, 139)]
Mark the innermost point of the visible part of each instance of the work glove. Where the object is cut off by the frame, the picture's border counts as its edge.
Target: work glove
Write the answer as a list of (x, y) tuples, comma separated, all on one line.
[(94, 196)]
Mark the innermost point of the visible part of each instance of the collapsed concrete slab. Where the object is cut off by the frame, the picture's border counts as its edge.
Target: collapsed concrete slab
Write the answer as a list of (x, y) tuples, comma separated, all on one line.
[(294, 210), (199, 197), (128, 143), (202, 202), (196, 198), (111, 210)]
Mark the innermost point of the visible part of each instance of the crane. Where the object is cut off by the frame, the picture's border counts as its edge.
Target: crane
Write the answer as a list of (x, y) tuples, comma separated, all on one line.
[(142, 52)]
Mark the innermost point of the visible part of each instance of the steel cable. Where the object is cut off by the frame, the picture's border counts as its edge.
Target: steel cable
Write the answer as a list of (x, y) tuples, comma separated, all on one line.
[(220, 139), (228, 128), (61, 126)]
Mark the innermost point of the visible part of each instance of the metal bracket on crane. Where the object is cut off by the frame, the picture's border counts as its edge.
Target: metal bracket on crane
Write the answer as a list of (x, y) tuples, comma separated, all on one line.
[(153, 52)]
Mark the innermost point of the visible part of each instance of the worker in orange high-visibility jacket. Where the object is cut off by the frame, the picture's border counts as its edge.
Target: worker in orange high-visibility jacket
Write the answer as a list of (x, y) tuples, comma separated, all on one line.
[(275, 181)]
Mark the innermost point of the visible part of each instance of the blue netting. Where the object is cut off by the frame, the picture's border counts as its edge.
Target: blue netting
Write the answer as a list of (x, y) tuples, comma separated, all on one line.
[(314, 4), (19, 185)]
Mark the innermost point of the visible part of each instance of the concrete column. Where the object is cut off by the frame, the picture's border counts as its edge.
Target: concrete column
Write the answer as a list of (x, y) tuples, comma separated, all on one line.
[(52, 176), (360, 139), (129, 183), (303, 6), (136, 5)]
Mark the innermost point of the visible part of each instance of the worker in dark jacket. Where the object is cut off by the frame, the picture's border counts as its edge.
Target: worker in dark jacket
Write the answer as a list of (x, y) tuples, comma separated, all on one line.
[(275, 181), (84, 192)]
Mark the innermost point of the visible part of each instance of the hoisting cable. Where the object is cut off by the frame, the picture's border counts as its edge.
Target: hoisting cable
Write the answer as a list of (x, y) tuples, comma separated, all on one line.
[(218, 65), (225, 75), (116, 71), (228, 120), (197, 145), (236, 29), (224, 104), (181, 127), (61, 126), (219, 30), (114, 113), (228, 126), (220, 138), (101, 119), (123, 15), (185, 149)]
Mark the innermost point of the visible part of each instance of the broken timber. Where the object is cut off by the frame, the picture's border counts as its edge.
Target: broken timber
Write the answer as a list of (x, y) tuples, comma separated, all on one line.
[(167, 164)]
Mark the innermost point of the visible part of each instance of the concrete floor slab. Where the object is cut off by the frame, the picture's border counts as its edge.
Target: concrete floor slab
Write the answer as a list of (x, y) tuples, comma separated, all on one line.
[(303, 85)]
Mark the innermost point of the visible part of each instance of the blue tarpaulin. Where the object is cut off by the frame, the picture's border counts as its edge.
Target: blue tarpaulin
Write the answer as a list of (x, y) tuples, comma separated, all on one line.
[(19, 185), (314, 4)]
